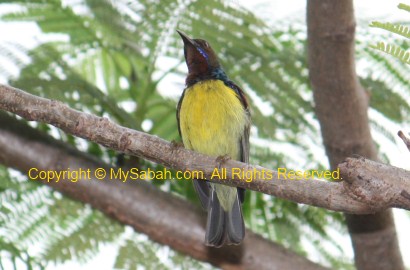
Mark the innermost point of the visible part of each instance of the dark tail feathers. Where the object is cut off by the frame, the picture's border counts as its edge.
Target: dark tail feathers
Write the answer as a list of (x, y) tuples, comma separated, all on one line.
[(224, 227)]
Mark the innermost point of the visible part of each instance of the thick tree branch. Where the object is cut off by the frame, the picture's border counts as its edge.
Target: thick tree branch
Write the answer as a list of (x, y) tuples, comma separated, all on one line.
[(376, 183), (166, 219), (341, 107), (330, 195)]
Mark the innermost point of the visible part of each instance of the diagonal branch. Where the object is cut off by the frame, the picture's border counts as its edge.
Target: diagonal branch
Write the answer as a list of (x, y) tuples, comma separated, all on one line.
[(165, 218), (330, 195), (404, 138)]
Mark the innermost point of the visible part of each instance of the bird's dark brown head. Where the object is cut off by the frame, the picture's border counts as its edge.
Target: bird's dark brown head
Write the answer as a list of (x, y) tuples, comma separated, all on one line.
[(200, 59)]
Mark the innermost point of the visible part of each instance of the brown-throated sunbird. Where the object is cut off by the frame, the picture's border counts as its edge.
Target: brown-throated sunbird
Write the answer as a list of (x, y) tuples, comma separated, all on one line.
[(214, 119)]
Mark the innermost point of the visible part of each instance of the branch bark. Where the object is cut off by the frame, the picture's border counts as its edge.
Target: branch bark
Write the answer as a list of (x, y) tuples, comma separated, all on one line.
[(166, 219), (330, 195), (405, 139), (375, 183), (341, 107), (335, 196)]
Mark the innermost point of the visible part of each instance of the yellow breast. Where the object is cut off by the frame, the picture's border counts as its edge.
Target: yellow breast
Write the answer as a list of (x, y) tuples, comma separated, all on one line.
[(212, 119)]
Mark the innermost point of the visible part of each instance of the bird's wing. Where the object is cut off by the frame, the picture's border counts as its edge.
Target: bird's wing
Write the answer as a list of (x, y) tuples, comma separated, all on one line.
[(244, 140), (178, 109), (201, 186)]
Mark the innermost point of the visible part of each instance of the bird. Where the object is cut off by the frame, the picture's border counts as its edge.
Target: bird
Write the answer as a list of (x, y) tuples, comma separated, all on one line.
[(214, 119)]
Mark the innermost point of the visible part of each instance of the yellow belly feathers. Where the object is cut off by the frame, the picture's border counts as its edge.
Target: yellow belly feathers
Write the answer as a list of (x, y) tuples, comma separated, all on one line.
[(212, 119)]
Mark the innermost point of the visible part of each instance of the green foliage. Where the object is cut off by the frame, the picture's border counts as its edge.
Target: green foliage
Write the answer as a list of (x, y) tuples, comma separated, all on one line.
[(120, 59), (380, 91), (386, 83), (393, 28), (393, 50), (10, 252), (60, 229), (399, 29), (136, 250)]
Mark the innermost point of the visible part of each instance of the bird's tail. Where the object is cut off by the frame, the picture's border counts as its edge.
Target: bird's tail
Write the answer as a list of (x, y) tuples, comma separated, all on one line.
[(224, 227)]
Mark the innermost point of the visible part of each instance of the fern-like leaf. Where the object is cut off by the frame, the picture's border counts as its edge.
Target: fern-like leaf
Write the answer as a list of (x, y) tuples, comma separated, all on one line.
[(399, 29), (393, 50), (404, 7), (393, 28)]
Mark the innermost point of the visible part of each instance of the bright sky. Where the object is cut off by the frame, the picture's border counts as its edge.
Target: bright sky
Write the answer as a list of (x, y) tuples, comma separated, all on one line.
[(272, 11)]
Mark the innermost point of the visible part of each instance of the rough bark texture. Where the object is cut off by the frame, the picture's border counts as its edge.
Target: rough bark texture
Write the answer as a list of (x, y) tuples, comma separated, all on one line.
[(375, 183), (329, 195), (341, 106), (166, 219)]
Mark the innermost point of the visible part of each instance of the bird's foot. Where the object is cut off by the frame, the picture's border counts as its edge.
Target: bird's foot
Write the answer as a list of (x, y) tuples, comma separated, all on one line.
[(176, 144), (220, 160)]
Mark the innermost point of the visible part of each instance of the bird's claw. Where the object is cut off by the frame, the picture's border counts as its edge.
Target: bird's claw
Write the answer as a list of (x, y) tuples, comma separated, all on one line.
[(220, 160), (176, 144)]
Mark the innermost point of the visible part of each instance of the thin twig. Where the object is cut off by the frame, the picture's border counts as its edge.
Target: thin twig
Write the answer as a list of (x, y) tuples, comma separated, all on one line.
[(405, 139)]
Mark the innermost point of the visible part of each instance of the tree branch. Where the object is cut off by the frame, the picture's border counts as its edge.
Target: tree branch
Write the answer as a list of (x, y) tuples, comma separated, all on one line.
[(165, 218), (376, 183), (341, 106), (330, 195), (404, 138)]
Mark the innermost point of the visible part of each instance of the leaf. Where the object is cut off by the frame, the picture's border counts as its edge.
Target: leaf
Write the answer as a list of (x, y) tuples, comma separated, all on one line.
[(393, 50)]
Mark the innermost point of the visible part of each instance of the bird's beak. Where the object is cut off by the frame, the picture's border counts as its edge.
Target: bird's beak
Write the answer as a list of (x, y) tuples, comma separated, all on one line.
[(187, 40)]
